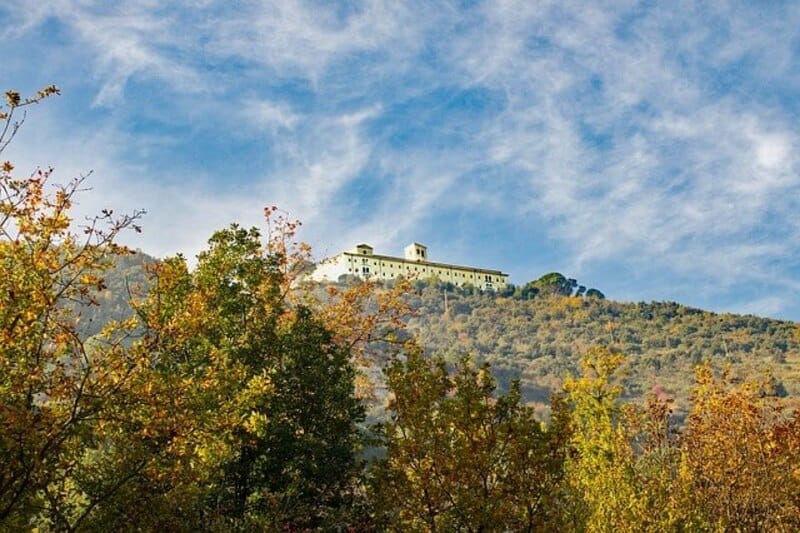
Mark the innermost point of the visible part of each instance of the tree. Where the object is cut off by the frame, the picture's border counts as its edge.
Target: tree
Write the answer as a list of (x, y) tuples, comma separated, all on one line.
[(263, 393), (555, 284), (739, 458), (54, 384), (224, 402), (459, 458), (618, 475), (594, 293), (302, 469), (528, 291)]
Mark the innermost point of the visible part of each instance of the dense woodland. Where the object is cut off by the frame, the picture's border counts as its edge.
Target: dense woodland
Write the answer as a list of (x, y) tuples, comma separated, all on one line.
[(150, 395), (540, 341)]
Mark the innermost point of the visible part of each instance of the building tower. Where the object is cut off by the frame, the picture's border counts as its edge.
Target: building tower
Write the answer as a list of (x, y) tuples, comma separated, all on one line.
[(416, 252)]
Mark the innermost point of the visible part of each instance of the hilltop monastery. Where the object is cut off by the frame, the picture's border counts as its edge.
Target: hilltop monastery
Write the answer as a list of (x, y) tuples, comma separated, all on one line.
[(365, 264)]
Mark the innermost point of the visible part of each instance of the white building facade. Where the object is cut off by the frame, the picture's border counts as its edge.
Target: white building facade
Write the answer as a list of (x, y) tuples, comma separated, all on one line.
[(363, 263)]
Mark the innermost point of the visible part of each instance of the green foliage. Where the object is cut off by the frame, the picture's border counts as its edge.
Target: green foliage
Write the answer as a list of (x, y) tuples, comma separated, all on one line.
[(300, 468), (540, 341), (458, 458), (267, 393), (555, 284), (613, 484)]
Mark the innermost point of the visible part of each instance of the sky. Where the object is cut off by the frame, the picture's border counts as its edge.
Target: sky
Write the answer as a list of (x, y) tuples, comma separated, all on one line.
[(648, 149)]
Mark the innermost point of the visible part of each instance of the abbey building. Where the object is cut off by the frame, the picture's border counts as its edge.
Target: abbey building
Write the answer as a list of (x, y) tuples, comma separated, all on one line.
[(363, 263)]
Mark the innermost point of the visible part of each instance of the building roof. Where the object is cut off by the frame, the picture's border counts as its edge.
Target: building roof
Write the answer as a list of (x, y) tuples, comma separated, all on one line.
[(431, 263)]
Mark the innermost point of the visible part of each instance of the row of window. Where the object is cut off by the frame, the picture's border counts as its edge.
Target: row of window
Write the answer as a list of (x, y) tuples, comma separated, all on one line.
[(487, 278), (365, 270)]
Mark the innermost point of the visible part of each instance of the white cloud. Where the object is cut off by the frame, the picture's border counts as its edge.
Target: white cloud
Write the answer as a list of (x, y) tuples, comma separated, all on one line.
[(272, 115), (181, 214), (134, 38), (772, 151), (296, 37), (322, 159), (768, 306)]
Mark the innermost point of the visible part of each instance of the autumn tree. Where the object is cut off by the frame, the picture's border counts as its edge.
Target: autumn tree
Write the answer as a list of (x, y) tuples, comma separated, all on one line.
[(225, 402), (739, 457), (249, 404), (53, 384), (457, 456), (242, 413), (621, 466)]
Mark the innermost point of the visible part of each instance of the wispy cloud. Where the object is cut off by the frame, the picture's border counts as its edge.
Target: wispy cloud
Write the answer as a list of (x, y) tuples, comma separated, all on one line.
[(270, 115)]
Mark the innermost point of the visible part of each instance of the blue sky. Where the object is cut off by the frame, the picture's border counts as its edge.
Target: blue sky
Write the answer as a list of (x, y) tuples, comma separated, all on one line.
[(649, 149)]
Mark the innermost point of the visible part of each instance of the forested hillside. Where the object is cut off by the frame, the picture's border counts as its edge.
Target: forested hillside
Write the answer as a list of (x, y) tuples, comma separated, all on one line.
[(537, 333), (540, 340)]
